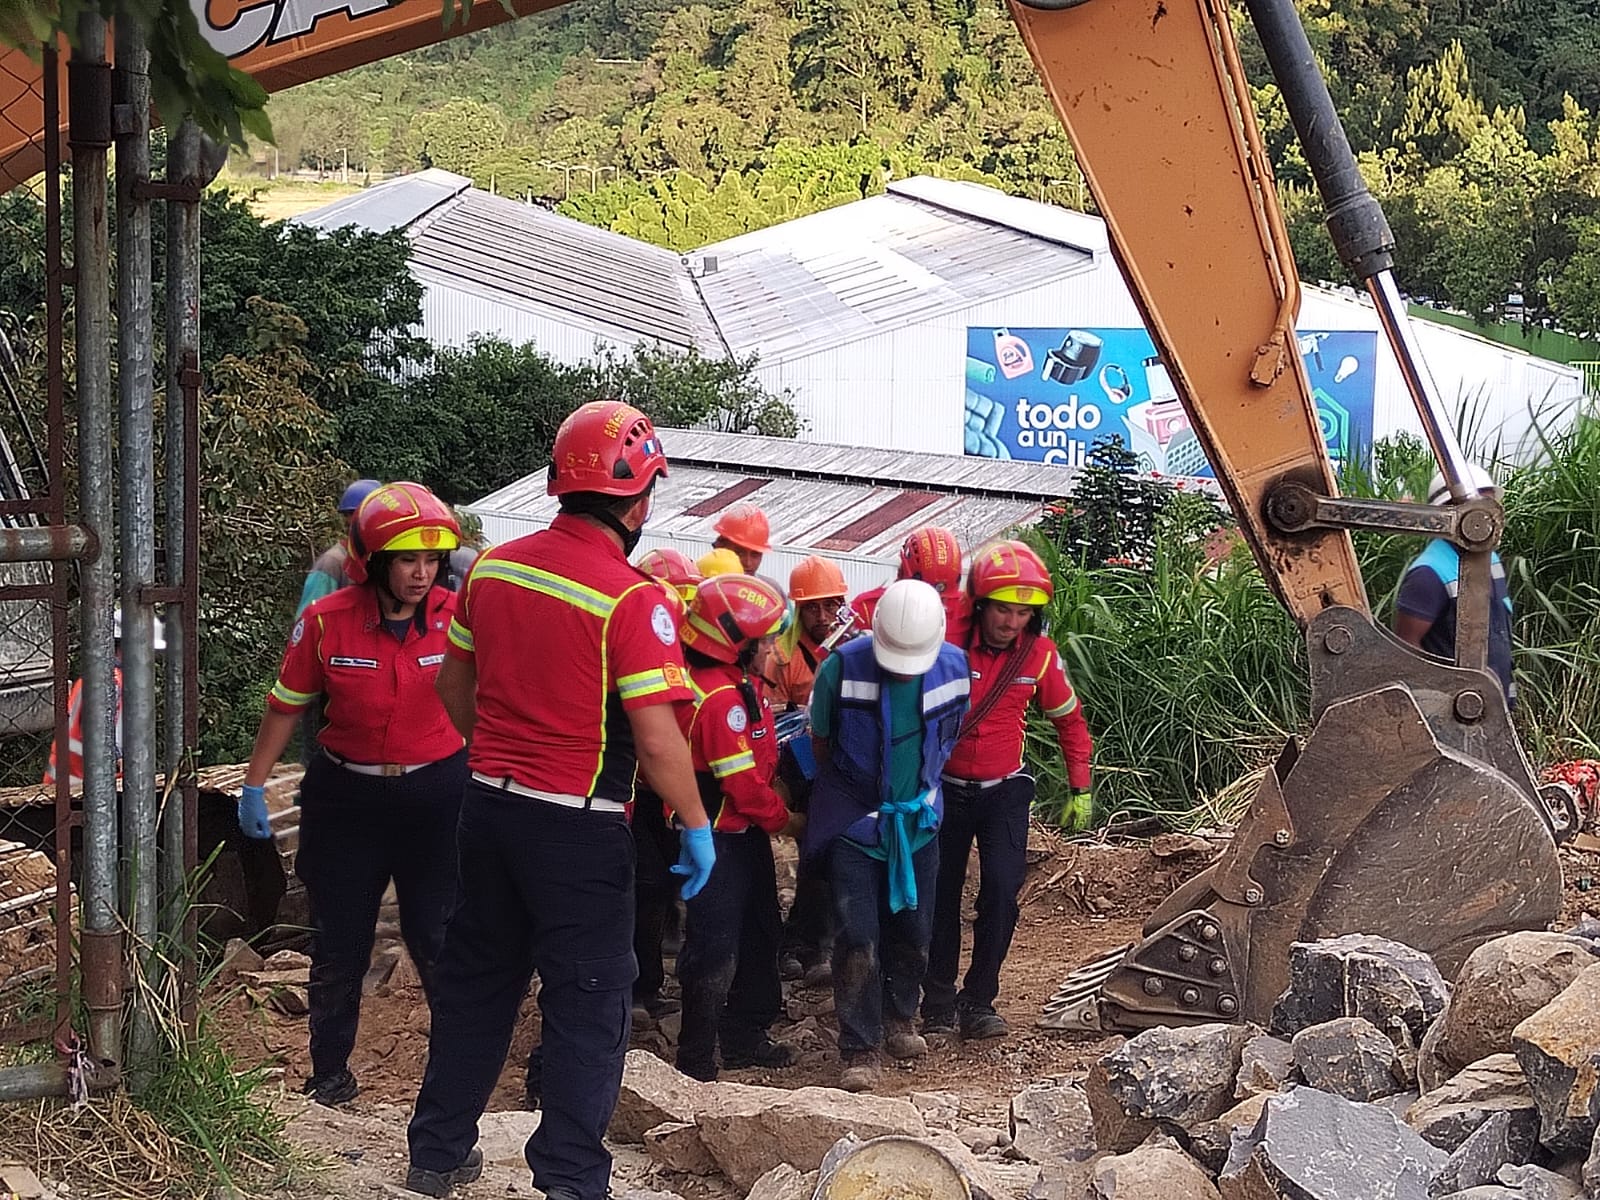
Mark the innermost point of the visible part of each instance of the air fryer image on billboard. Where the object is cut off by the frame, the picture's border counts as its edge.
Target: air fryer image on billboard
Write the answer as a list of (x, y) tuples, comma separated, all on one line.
[(1047, 395)]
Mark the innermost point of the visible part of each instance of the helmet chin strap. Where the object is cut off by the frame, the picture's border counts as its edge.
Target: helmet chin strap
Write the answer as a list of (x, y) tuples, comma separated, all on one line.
[(630, 537)]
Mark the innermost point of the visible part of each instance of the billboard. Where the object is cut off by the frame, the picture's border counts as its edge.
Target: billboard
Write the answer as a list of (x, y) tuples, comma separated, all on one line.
[(1047, 395)]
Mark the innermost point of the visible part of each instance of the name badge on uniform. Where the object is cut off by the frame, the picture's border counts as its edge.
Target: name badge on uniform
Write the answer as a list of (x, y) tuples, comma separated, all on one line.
[(343, 660), (1030, 680), (430, 660)]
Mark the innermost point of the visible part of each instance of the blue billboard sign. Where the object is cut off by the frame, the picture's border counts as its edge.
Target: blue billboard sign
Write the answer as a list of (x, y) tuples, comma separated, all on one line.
[(1047, 395)]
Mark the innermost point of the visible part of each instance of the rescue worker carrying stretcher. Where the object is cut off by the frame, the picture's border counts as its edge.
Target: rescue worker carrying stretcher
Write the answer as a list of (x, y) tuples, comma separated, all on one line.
[(380, 797), (728, 967), (563, 671), (987, 797), (817, 590), (933, 555)]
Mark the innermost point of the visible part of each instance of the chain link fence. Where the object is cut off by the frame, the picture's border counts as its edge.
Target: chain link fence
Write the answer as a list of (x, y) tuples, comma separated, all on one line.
[(36, 646)]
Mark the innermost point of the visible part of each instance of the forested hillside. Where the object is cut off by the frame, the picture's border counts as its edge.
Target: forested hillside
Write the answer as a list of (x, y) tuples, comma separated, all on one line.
[(684, 124)]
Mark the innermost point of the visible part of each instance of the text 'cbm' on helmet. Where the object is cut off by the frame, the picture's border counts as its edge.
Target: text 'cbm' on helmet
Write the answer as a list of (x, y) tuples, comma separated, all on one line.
[(933, 555), (816, 578), (731, 611), (1012, 573), (745, 526), (607, 448), (908, 627), (400, 517)]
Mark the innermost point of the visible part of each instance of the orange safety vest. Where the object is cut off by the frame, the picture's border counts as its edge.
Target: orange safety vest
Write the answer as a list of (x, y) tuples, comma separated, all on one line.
[(75, 737)]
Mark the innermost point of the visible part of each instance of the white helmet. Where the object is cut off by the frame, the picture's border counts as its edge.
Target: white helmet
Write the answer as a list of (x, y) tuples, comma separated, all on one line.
[(1477, 478), (907, 627)]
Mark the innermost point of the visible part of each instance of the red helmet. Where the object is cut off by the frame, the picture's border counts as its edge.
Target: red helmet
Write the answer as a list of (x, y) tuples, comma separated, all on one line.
[(606, 447), (672, 567), (398, 517), (932, 555), (729, 612), (1011, 573), (745, 525)]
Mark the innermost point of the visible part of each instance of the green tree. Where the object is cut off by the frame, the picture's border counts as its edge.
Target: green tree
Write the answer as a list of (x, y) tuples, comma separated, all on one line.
[(456, 135), (1575, 288)]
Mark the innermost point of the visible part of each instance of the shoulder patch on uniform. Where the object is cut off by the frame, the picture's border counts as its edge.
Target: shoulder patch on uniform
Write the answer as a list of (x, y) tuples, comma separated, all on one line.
[(666, 629), (299, 632), (738, 719), (673, 674)]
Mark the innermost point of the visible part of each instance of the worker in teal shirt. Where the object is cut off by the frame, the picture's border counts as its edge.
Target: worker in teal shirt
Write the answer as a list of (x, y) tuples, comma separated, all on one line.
[(885, 714), (327, 574)]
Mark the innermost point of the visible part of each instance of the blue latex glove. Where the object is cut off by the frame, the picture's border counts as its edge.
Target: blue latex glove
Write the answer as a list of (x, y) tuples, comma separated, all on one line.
[(696, 856), (253, 819)]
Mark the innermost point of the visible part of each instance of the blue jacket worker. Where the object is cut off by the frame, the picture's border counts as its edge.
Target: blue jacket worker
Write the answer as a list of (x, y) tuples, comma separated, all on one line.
[(885, 714)]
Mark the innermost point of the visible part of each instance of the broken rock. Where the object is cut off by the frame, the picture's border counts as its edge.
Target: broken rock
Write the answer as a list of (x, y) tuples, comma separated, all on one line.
[(238, 956), (1150, 1173), (1536, 1183), (1591, 1170), (1309, 1145), (1559, 1049), (654, 1093), (1433, 1069), (1350, 1057), (502, 1136), (1502, 984), (1359, 975), (1477, 1161), (783, 1182), (1163, 1076), (1051, 1122), (676, 1146), (1210, 1141), (1266, 1064), (1446, 1116)]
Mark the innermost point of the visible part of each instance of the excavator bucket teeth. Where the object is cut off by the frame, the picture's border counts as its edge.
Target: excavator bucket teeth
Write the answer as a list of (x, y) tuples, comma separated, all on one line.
[(1376, 827)]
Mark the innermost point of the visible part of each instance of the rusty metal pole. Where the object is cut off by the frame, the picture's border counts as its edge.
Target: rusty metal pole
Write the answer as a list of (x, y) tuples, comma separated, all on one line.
[(137, 527), (89, 83)]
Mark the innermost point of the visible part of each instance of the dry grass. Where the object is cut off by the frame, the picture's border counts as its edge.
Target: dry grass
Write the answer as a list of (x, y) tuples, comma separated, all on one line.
[(106, 1147)]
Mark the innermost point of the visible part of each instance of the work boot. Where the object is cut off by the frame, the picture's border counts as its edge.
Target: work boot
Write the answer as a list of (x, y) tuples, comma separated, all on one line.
[(939, 1022), (439, 1183), (902, 1042), (339, 1087), (862, 1070), (979, 1023), (765, 1053)]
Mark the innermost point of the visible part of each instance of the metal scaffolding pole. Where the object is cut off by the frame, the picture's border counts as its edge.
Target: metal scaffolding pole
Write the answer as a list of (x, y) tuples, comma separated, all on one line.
[(137, 513), (90, 136)]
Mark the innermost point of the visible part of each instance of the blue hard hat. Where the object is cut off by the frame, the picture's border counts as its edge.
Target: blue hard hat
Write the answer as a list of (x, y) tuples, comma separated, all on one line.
[(356, 493)]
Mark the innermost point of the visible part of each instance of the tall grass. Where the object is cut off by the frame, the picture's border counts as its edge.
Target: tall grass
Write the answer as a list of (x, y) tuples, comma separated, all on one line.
[(1193, 676)]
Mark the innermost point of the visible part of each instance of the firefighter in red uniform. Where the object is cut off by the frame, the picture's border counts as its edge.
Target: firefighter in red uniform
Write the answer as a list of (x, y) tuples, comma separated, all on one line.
[(563, 671), (380, 799), (986, 795), (933, 555), (729, 963)]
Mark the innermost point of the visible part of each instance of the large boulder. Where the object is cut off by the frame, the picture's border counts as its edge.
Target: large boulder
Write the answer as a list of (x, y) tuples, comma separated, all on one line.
[(1502, 984), (1349, 1057), (1051, 1122), (1309, 1145), (1163, 1077), (1210, 1141), (1477, 1161), (1150, 1173), (676, 1146), (1446, 1116), (1266, 1064), (1559, 1049), (1359, 975)]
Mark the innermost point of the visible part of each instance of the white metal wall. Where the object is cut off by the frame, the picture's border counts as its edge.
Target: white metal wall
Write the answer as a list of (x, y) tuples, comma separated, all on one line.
[(452, 316), (903, 388)]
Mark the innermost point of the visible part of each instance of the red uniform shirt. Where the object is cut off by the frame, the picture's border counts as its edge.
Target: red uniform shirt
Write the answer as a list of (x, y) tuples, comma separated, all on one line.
[(381, 704), (993, 749), (957, 613), (740, 754), (566, 637)]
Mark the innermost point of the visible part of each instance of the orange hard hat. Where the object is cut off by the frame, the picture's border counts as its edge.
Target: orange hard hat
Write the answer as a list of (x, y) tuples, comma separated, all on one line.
[(745, 525), (400, 517), (606, 447), (816, 578), (933, 555), (1012, 573)]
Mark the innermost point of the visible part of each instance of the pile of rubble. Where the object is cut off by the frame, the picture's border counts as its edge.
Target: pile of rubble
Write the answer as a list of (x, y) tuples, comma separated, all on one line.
[(1377, 1080), (27, 916)]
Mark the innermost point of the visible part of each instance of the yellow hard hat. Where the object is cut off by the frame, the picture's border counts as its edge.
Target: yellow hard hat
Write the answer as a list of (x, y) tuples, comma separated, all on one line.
[(719, 562)]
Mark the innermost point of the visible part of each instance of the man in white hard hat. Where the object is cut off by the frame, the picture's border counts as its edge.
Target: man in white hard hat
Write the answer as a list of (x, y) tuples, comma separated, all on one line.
[(1425, 611), (885, 714)]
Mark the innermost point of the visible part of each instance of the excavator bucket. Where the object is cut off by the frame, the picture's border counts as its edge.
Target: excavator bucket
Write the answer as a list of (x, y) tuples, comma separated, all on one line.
[(1409, 813)]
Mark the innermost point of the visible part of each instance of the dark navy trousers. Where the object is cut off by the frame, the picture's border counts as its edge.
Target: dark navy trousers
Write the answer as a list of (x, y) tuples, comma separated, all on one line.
[(357, 832), (549, 888)]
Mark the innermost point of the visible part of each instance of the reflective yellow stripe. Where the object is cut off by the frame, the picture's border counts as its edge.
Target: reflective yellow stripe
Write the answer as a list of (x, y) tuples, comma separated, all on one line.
[(287, 695), (1063, 709), (546, 584), (733, 764), (460, 635), (645, 683)]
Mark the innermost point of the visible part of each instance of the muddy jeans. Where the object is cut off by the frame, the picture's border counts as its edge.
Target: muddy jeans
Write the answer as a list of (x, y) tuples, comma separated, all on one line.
[(879, 957)]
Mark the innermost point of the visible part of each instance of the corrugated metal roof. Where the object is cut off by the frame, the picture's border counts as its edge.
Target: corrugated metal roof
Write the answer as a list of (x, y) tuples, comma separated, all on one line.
[(496, 245), (394, 204), (926, 246)]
